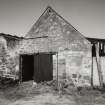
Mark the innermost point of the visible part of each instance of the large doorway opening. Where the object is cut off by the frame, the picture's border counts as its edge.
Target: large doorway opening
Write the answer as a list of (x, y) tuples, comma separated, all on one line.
[(27, 67), (37, 67)]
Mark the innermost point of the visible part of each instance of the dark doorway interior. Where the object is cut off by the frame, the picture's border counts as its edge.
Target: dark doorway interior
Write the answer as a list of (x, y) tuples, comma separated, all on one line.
[(93, 51), (37, 66), (27, 66)]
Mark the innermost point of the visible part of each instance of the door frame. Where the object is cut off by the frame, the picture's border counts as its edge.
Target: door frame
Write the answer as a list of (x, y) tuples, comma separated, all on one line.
[(20, 66), (20, 61)]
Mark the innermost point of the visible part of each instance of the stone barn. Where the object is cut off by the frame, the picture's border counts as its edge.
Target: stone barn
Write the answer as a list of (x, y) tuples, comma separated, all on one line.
[(54, 49)]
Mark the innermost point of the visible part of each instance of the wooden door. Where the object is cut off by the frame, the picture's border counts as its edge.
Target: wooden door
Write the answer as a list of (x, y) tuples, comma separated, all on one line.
[(43, 67)]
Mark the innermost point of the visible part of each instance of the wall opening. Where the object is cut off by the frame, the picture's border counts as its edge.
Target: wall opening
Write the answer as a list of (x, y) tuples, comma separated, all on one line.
[(37, 67), (27, 67)]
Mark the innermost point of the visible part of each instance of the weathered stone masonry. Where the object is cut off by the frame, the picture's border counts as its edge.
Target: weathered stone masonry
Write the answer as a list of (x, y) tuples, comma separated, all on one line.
[(9, 58)]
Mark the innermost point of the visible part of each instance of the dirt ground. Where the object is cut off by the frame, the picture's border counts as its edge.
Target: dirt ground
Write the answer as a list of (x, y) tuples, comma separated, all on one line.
[(46, 94)]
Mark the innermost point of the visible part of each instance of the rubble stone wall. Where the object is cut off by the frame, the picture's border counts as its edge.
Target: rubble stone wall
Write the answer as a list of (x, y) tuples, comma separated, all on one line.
[(9, 60), (103, 68), (75, 65), (95, 71)]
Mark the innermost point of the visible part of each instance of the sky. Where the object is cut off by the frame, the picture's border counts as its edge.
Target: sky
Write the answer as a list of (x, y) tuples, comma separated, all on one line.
[(87, 16)]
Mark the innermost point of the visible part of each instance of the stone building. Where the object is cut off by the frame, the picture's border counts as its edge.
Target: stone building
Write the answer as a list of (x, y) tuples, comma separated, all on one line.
[(52, 49)]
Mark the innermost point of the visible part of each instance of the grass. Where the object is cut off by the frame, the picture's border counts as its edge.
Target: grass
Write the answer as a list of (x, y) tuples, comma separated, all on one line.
[(46, 93)]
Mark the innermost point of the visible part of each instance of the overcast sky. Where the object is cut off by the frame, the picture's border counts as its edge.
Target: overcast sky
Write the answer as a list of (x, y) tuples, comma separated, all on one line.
[(87, 16)]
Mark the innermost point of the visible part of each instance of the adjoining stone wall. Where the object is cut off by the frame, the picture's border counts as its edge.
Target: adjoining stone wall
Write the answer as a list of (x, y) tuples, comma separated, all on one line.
[(12, 66), (95, 71), (9, 60), (103, 68)]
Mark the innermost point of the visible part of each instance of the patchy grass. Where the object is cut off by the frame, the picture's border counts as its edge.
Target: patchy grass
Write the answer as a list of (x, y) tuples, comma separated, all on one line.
[(46, 94)]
